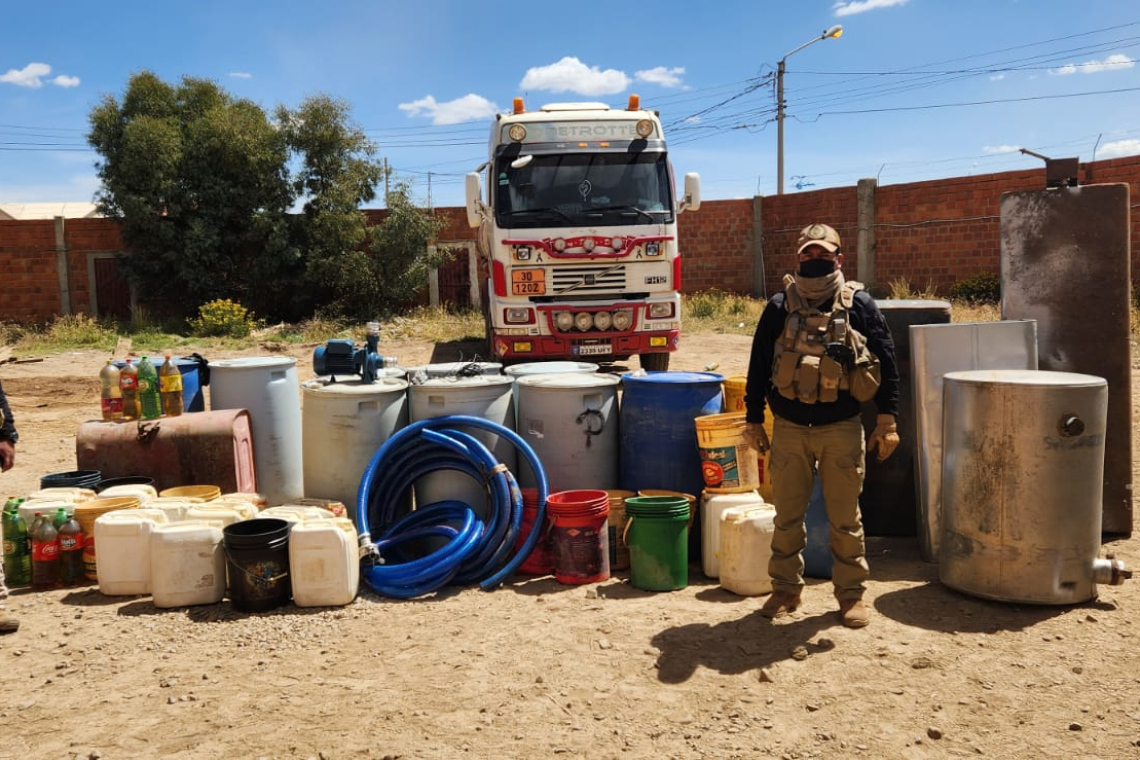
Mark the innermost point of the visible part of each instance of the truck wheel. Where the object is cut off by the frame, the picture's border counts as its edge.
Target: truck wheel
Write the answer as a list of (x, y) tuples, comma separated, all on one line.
[(654, 362)]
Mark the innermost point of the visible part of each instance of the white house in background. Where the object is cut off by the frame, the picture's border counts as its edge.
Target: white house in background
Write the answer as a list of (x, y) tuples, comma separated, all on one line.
[(68, 210)]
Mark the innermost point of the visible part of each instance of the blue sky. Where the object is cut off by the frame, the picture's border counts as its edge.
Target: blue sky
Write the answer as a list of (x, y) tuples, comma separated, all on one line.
[(912, 90)]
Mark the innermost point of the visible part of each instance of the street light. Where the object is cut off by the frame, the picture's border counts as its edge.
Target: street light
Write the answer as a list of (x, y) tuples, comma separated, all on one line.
[(829, 33)]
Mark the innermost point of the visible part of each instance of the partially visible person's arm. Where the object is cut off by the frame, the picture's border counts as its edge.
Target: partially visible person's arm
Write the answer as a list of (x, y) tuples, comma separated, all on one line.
[(8, 434)]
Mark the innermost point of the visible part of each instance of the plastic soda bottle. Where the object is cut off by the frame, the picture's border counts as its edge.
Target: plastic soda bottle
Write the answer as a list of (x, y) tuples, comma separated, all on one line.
[(148, 390), (59, 518), (112, 394), (170, 386), (45, 553), (129, 386), (71, 540), (17, 558)]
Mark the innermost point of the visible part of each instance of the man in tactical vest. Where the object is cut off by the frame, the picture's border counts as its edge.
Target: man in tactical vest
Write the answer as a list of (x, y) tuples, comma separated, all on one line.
[(821, 349)]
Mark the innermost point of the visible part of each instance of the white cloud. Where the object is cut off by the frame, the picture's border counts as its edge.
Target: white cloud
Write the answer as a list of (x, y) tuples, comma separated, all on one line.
[(571, 75), (30, 76), (241, 75), (33, 76), (1115, 62), (997, 77), (991, 150), (661, 75), (1119, 148), (862, 6), (467, 108)]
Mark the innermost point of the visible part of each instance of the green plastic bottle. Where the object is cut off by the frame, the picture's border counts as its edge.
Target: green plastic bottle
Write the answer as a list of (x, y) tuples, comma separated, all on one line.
[(17, 555), (149, 398)]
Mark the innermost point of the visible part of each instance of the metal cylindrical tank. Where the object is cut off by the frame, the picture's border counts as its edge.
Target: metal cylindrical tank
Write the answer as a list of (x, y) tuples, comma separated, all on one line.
[(1023, 461), (571, 422), (267, 386), (344, 423), (486, 396)]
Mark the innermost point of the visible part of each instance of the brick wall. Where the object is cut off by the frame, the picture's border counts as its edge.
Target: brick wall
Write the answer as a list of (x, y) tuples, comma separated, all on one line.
[(929, 233)]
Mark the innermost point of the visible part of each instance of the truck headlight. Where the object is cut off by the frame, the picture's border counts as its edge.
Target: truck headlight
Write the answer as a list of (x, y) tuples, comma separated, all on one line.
[(660, 310), (623, 320), (583, 320), (603, 320)]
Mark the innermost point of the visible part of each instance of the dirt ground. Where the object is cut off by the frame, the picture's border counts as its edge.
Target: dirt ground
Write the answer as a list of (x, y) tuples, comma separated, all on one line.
[(539, 669)]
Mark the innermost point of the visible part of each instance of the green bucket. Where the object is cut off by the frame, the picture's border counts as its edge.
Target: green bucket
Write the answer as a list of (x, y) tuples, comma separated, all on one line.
[(657, 534)]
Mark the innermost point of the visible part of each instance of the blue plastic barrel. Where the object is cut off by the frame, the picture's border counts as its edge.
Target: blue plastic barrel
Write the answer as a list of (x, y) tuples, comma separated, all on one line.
[(658, 437), (193, 399)]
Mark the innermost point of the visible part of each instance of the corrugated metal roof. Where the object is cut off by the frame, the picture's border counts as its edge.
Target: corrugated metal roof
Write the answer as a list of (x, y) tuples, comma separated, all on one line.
[(66, 209)]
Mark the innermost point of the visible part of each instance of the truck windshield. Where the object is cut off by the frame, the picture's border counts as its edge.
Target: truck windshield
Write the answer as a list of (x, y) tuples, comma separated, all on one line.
[(595, 189)]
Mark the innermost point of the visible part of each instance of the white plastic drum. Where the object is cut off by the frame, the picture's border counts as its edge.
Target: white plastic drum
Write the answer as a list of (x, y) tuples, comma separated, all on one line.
[(485, 396), (123, 569), (268, 388), (344, 425), (545, 368), (571, 422)]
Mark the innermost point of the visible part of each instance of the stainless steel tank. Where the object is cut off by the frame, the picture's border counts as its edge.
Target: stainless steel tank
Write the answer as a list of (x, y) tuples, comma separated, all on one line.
[(1022, 471)]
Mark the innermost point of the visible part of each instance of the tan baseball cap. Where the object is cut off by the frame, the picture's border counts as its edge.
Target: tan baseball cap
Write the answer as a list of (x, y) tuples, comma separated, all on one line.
[(818, 234)]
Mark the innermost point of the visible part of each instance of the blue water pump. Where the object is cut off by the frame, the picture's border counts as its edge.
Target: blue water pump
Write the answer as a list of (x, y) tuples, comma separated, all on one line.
[(340, 356)]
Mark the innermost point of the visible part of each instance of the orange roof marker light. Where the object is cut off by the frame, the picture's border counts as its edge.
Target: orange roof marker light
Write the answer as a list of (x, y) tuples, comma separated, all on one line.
[(634, 103), (520, 107)]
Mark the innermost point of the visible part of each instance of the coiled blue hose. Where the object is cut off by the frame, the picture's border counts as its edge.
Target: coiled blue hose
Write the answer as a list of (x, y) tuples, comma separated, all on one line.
[(475, 551)]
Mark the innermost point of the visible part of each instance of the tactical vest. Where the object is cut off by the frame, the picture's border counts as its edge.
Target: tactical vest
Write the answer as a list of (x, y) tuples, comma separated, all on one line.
[(820, 354)]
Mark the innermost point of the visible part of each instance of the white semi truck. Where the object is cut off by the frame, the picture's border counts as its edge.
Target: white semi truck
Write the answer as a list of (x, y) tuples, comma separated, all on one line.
[(578, 235)]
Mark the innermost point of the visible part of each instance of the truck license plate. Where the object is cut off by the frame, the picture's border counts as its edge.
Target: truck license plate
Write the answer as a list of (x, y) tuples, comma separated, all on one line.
[(528, 282), (592, 349)]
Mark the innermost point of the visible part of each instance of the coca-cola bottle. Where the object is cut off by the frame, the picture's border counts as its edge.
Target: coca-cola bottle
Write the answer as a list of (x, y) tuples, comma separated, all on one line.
[(45, 553), (71, 539), (129, 386)]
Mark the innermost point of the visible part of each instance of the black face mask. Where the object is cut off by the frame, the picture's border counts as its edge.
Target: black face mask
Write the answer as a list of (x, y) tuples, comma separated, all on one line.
[(817, 267)]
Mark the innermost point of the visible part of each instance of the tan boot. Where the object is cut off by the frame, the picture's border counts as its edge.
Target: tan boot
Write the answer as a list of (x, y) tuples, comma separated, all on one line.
[(8, 624), (854, 613), (780, 603)]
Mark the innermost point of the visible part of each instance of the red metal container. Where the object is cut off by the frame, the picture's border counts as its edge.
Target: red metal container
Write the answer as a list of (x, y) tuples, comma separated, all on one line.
[(213, 447)]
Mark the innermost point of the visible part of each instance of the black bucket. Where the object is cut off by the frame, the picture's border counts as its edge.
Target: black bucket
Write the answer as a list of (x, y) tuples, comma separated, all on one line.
[(71, 479), (257, 563), (126, 480)]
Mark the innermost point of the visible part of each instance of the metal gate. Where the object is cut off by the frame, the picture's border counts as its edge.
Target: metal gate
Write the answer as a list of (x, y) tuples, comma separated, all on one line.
[(455, 280), (112, 292)]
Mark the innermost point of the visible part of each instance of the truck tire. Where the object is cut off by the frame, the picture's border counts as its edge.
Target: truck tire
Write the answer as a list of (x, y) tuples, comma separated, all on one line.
[(654, 362)]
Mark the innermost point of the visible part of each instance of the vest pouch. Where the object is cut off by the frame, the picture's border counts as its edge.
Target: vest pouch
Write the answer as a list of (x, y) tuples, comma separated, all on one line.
[(866, 378), (784, 374), (807, 380), (830, 373)]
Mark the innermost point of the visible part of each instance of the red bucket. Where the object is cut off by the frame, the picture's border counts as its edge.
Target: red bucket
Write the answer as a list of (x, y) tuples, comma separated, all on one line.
[(541, 559), (579, 536)]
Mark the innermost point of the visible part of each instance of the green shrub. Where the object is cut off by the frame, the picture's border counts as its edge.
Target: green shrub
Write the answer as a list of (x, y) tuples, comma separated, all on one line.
[(223, 317), (982, 288)]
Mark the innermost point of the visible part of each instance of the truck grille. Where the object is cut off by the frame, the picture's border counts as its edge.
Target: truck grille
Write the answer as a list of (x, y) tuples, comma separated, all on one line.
[(589, 279)]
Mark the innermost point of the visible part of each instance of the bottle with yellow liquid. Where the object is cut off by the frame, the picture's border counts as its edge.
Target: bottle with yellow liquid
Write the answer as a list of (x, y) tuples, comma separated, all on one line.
[(170, 387)]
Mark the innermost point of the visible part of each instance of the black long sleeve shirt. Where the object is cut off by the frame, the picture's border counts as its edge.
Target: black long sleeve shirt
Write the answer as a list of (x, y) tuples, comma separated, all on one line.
[(8, 427), (865, 317)]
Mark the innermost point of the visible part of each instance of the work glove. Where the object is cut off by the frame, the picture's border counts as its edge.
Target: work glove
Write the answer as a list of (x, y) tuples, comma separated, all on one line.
[(885, 436), (757, 437)]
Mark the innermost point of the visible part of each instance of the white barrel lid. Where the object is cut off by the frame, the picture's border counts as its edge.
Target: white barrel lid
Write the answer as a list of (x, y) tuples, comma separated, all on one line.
[(569, 380), (254, 362), (142, 514), (355, 387), (544, 368), (1024, 377), (452, 368), (435, 383)]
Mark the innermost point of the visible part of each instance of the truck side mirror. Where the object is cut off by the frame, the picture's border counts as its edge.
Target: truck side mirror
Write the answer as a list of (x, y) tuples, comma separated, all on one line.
[(474, 199), (692, 199)]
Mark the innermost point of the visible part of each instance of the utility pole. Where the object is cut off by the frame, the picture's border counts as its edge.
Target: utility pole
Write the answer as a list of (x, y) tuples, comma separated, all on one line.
[(829, 33), (429, 191), (387, 173)]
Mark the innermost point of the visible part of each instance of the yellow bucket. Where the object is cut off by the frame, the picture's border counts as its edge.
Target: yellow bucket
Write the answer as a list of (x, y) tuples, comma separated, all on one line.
[(734, 387), (619, 551), (86, 513), (205, 493), (728, 463)]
